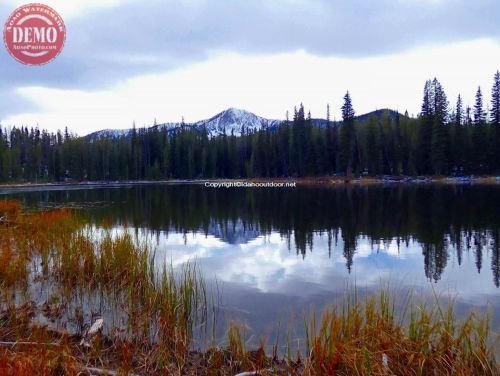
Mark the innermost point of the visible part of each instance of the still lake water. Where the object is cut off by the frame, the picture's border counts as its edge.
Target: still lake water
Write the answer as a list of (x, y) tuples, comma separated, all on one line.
[(279, 253)]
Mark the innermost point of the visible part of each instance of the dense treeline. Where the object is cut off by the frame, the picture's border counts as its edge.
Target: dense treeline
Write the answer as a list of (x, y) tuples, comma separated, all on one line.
[(439, 141)]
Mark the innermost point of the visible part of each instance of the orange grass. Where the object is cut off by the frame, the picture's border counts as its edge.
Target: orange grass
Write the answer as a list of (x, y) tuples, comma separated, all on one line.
[(156, 311), (366, 339)]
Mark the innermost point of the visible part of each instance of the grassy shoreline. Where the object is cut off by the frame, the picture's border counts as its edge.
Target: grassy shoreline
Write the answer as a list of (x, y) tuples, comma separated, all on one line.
[(149, 316)]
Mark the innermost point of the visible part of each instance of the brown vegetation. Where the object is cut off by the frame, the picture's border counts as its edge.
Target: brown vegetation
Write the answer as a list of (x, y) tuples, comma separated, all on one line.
[(150, 314)]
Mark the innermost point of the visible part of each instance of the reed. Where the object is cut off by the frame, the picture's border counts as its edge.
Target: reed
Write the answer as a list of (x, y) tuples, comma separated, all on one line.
[(150, 315), (58, 250), (367, 339)]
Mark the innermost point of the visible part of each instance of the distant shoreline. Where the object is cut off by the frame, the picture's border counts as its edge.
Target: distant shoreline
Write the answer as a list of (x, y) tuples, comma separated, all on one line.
[(303, 181)]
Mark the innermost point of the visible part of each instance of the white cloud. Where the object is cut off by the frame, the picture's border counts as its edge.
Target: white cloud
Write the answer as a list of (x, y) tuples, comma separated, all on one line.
[(266, 264), (268, 85)]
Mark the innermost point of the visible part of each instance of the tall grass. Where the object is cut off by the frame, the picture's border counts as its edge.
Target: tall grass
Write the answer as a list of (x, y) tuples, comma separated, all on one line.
[(367, 339), (58, 250), (150, 315)]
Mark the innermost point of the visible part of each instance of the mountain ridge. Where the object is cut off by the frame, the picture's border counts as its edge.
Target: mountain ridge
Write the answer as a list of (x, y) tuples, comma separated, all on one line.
[(232, 121)]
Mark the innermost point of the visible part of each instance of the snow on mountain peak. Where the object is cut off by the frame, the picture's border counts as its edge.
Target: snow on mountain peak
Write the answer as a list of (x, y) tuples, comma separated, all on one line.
[(233, 120), (230, 121)]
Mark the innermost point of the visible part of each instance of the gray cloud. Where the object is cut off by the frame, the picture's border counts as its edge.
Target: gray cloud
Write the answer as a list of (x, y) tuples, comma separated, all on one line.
[(12, 103), (145, 37)]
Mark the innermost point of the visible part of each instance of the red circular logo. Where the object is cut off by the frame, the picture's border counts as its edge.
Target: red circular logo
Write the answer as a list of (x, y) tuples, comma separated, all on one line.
[(34, 34)]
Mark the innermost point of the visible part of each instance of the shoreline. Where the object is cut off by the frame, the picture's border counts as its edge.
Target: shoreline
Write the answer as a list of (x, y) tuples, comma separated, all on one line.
[(98, 305), (302, 181)]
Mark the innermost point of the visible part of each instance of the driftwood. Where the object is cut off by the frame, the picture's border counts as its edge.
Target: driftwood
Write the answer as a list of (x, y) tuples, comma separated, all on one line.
[(89, 334), (93, 330)]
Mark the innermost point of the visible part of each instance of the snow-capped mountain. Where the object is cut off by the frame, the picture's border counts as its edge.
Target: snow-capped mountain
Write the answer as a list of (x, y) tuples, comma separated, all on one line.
[(230, 121), (234, 232), (110, 133), (233, 120)]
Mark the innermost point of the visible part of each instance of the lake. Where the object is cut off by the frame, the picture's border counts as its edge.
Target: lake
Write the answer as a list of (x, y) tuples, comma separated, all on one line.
[(273, 255)]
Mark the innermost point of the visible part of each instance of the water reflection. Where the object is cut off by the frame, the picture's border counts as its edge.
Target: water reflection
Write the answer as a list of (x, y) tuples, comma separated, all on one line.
[(432, 225), (277, 253)]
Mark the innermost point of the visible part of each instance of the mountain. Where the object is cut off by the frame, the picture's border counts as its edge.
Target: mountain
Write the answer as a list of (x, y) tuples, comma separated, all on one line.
[(231, 121), (379, 114), (234, 231)]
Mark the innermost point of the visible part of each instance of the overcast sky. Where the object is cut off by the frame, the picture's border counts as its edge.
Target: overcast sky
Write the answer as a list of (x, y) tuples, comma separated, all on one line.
[(133, 60)]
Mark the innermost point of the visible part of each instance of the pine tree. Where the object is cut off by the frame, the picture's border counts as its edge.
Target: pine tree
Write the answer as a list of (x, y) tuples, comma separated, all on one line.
[(347, 108), (440, 102), (424, 131), (439, 144), (433, 143), (479, 134), (347, 136), (469, 165), (495, 100), (459, 111), (459, 147), (479, 113), (468, 116), (427, 101)]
